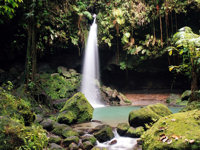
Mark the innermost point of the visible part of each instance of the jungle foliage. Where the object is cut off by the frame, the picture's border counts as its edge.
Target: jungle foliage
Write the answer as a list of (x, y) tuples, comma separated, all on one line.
[(135, 31)]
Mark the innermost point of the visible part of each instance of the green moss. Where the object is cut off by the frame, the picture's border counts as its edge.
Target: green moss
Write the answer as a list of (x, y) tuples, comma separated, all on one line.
[(177, 131), (122, 128), (90, 138), (135, 132), (57, 86), (15, 107), (125, 99), (76, 110), (59, 128), (191, 106), (69, 133), (148, 115), (69, 140), (104, 134), (55, 139), (14, 135)]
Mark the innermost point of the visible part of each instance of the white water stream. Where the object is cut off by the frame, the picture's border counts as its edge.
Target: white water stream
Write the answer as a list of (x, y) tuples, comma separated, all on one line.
[(122, 143), (90, 77)]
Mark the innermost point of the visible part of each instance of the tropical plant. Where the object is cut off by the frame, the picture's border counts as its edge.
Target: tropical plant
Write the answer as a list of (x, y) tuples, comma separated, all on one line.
[(186, 45)]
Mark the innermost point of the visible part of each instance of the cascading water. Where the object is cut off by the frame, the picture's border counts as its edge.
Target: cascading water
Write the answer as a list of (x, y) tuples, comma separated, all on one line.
[(89, 85)]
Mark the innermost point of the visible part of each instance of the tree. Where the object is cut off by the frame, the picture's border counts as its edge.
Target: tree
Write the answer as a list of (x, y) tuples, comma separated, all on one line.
[(186, 45), (7, 8)]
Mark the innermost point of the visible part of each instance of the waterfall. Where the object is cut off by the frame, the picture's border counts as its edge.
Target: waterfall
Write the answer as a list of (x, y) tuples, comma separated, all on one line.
[(90, 79)]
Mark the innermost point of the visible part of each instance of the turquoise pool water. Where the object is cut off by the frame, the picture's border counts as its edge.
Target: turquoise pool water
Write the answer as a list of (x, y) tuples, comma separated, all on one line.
[(113, 115)]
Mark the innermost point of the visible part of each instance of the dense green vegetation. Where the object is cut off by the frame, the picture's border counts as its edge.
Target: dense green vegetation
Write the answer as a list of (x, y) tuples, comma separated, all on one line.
[(36, 99)]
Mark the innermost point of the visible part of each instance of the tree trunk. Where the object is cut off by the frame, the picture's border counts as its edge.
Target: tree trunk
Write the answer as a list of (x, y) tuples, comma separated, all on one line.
[(194, 86), (31, 54)]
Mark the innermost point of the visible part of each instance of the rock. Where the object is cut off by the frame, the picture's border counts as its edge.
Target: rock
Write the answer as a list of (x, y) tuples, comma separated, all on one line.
[(186, 95), (56, 86), (76, 110), (69, 132), (54, 139), (113, 142), (59, 128), (174, 134), (191, 106), (39, 118), (59, 104), (54, 146), (48, 124), (90, 138), (87, 145), (104, 134), (148, 115), (69, 140), (73, 146), (135, 132), (122, 128), (113, 97)]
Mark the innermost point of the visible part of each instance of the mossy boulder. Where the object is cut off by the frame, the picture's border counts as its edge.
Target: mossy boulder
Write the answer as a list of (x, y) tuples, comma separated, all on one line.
[(59, 86), (191, 106), (69, 132), (76, 110), (14, 135), (104, 134), (54, 146), (60, 128), (48, 124), (148, 115), (186, 95), (178, 131), (122, 128), (73, 146), (55, 139), (87, 145), (71, 139), (15, 107), (90, 138), (135, 132)]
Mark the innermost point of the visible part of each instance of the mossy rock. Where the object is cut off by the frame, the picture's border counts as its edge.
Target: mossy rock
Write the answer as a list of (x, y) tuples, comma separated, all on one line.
[(14, 135), (71, 139), (178, 131), (48, 124), (191, 106), (87, 145), (90, 138), (60, 128), (186, 95), (57, 86), (54, 146), (122, 128), (104, 134), (69, 132), (148, 115), (73, 146), (135, 132), (76, 110), (15, 107), (55, 139)]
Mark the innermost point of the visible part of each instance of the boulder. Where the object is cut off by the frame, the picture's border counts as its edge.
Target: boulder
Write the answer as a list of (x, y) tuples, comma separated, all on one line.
[(90, 138), (54, 146), (73, 146), (134, 132), (76, 110), (122, 128), (87, 145), (47, 124), (178, 131), (104, 134), (113, 97), (186, 95), (60, 128), (55, 139), (69, 140), (148, 115), (69, 132)]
